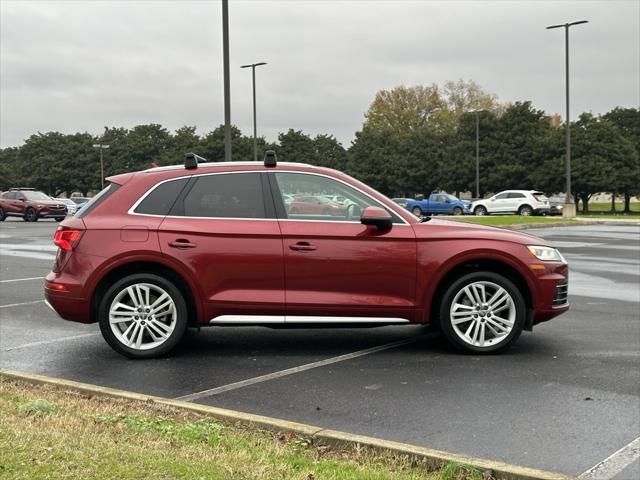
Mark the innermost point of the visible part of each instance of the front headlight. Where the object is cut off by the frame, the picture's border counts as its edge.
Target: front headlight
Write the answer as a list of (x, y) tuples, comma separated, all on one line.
[(546, 254)]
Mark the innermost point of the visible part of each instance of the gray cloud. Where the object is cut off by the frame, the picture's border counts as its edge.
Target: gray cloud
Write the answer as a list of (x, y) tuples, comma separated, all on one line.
[(78, 66)]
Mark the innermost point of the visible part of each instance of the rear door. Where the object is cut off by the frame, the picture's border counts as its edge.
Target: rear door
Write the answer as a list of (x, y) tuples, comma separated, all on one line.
[(515, 199), (223, 229), (338, 270)]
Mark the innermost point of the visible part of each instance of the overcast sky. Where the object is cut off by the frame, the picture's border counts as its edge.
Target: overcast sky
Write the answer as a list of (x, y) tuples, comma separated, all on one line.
[(82, 65)]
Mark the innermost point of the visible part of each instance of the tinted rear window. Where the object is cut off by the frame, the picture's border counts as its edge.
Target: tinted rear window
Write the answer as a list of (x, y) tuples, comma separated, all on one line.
[(97, 200), (235, 195), (161, 198)]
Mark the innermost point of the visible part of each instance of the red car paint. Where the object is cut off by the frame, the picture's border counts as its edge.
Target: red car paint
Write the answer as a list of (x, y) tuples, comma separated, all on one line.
[(278, 267)]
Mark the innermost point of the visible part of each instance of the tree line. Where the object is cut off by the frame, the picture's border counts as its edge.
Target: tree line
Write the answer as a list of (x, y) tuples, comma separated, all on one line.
[(413, 140)]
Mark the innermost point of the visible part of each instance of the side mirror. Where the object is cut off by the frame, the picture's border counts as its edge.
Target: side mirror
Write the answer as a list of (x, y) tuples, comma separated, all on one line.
[(376, 216)]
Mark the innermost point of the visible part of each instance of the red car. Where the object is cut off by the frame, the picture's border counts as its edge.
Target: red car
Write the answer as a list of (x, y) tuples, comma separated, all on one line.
[(164, 249), (314, 205), (31, 205)]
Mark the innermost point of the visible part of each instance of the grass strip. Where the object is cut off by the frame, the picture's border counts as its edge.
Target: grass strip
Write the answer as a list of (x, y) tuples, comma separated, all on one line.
[(47, 432)]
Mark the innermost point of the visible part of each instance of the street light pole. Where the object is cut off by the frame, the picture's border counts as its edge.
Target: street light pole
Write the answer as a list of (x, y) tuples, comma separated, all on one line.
[(253, 78), (477, 155), (227, 98), (569, 209), (101, 147)]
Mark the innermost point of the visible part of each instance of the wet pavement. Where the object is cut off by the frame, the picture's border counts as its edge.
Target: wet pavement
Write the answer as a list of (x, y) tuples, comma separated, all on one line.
[(563, 399)]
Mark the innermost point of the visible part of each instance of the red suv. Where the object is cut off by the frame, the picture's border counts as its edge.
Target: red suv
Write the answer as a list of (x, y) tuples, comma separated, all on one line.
[(213, 244), (31, 205)]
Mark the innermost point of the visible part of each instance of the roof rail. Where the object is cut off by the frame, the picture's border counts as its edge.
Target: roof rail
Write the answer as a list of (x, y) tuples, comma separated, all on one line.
[(25, 188)]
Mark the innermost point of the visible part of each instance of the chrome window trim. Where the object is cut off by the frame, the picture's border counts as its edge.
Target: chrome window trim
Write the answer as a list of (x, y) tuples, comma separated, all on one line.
[(135, 205)]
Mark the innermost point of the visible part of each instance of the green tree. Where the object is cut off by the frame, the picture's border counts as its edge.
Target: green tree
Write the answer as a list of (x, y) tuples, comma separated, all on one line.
[(599, 151), (627, 120)]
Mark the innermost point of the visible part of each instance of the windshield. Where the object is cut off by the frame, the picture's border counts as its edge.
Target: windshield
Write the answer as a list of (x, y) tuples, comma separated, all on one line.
[(453, 198), (36, 196)]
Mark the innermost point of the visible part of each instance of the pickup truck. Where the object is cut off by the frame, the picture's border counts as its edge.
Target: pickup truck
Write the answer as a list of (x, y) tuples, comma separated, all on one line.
[(438, 204), (31, 205)]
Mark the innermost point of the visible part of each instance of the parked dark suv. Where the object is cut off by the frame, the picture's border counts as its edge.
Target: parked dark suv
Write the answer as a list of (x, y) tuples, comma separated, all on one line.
[(31, 205), (214, 244)]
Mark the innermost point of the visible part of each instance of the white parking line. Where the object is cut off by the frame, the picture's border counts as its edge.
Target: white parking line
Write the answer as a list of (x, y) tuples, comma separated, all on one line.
[(21, 279), (615, 463), (23, 303), (291, 371), (46, 342)]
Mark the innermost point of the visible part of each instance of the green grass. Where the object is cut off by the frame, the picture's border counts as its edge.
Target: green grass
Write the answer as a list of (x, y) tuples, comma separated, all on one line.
[(504, 220), (46, 432), (606, 207)]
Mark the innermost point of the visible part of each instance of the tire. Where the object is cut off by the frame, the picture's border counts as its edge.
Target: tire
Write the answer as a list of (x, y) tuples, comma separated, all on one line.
[(2, 215), (457, 211), (482, 333), (326, 211), (525, 211), (417, 211), (59, 219), (168, 328), (30, 215), (480, 211)]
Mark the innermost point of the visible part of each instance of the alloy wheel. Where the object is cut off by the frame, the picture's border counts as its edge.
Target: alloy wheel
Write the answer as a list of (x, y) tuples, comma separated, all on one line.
[(142, 316), (483, 314)]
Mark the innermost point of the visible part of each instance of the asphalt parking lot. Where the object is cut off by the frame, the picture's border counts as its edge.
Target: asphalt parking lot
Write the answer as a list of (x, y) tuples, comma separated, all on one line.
[(563, 399)]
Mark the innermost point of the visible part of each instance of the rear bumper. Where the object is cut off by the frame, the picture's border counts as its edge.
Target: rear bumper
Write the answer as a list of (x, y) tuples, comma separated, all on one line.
[(61, 298)]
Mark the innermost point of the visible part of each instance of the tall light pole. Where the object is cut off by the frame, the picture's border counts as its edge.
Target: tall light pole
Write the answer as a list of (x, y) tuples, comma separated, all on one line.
[(477, 154), (227, 98), (255, 134), (569, 209), (101, 147)]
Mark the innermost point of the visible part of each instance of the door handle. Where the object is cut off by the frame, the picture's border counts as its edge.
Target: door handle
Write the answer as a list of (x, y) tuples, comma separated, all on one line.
[(303, 247), (182, 243)]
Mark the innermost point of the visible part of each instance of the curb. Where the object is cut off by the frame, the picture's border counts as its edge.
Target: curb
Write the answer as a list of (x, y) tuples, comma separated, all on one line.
[(434, 458)]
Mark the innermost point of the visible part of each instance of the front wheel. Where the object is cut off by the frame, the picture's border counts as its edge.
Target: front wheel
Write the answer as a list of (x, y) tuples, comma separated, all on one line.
[(2, 215), (480, 211), (143, 316), (482, 312), (30, 215)]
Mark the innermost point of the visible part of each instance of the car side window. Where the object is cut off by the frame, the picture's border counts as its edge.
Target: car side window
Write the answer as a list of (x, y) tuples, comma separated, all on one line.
[(10, 195), (500, 196), (160, 200), (230, 195), (314, 197), (516, 195)]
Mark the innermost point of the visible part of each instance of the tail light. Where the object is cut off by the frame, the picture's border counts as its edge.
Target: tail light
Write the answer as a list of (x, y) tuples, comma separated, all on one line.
[(67, 238)]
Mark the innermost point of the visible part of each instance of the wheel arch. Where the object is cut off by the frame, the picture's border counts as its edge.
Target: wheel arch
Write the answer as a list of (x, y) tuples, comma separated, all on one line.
[(146, 266), (501, 266)]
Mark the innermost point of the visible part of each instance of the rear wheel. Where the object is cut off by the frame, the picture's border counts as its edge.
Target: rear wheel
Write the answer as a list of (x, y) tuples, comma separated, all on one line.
[(417, 211), (30, 215), (482, 312), (525, 211), (143, 316), (457, 211), (480, 211)]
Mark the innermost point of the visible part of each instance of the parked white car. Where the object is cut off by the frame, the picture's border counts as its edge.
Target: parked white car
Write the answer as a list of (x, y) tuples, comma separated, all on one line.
[(71, 205), (522, 202)]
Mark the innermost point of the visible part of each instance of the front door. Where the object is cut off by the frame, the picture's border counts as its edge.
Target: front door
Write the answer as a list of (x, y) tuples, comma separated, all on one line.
[(336, 269)]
